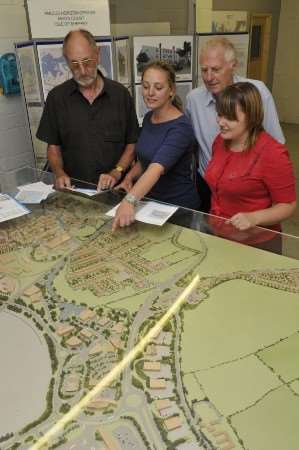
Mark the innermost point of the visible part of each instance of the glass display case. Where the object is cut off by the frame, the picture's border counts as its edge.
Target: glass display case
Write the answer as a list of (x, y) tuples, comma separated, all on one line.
[(145, 338)]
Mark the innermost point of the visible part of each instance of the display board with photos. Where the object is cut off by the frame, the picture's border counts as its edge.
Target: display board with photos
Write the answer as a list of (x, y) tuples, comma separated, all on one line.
[(175, 50), (241, 43)]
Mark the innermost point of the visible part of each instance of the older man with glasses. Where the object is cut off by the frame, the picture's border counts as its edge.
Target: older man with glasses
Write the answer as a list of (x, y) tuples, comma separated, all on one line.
[(89, 121)]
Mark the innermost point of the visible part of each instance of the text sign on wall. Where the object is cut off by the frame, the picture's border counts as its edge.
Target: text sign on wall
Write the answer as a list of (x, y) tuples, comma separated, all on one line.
[(56, 18)]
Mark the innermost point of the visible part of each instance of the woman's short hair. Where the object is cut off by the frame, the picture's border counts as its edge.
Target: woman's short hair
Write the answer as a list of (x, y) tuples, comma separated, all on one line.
[(170, 72), (247, 97)]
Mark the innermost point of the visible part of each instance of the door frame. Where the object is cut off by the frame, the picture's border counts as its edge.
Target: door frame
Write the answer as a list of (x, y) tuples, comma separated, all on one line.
[(265, 43)]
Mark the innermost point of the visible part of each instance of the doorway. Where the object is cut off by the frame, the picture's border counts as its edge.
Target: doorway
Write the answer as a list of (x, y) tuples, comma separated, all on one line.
[(260, 29)]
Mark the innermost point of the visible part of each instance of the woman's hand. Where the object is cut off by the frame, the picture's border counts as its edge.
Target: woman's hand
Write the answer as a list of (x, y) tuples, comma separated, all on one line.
[(125, 215), (243, 221)]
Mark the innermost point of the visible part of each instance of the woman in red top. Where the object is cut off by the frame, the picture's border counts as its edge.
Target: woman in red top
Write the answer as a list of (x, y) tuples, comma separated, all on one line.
[(250, 174)]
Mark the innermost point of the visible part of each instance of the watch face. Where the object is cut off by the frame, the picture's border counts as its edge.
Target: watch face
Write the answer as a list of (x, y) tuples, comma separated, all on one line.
[(119, 169)]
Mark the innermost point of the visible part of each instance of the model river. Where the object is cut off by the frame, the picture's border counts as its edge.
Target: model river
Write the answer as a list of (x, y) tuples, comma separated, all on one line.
[(24, 363)]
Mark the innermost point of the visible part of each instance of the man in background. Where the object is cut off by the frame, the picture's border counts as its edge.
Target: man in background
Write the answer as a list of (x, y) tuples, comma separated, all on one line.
[(218, 62), (89, 121)]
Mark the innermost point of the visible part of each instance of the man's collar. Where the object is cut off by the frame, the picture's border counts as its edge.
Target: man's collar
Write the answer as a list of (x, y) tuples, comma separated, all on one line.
[(209, 98), (74, 87)]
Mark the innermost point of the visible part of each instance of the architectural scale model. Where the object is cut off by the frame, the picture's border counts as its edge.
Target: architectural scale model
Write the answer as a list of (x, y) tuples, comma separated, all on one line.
[(75, 298)]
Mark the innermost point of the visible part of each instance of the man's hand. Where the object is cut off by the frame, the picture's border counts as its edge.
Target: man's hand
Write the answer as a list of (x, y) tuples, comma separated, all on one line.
[(62, 182), (125, 185), (109, 180), (243, 221), (125, 215)]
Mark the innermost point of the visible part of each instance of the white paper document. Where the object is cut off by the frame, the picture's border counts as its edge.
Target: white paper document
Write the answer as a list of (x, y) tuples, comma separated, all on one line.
[(89, 192), (153, 213), (10, 209), (34, 192)]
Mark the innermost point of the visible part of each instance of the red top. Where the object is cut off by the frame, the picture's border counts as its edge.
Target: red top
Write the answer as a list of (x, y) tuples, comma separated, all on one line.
[(250, 180)]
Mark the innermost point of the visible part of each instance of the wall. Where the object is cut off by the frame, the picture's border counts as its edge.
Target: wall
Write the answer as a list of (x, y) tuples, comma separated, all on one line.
[(15, 144), (134, 11), (286, 81), (257, 6)]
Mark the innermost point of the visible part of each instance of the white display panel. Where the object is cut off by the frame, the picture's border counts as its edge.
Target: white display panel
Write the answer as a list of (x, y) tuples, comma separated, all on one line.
[(56, 18), (39, 147)]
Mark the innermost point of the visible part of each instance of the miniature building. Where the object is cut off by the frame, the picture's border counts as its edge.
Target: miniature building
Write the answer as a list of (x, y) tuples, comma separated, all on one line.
[(153, 366), (103, 321), (118, 328), (116, 342), (172, 423), (34, 294), (95, 350), (72, 383), (161, 405), (86, 333), (158, 383), (58, 240), (87, 314), (151, 350), (109, 440), (64, 329), (31, 290), (101, 403), (73, 342)]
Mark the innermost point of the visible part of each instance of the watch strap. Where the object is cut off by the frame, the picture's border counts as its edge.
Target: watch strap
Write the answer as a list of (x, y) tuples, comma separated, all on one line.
[(130, 198)]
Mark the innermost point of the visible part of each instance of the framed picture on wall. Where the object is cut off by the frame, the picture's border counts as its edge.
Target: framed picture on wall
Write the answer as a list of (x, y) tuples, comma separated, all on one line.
[(106, 63), (53, 66), (122, 55), (229, 21), (176, 50)]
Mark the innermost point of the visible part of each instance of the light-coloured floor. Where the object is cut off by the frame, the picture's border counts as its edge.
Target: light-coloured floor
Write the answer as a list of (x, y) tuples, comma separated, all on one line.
[(291, 226)]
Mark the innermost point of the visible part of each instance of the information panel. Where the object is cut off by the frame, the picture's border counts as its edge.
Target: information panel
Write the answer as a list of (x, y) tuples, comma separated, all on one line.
[(57, 18)]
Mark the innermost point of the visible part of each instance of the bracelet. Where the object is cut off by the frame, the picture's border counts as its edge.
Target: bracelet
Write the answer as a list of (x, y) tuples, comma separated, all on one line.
[(130, 198)]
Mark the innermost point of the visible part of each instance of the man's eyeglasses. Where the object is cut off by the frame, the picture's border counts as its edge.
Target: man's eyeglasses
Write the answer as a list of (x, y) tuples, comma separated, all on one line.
[(86, 63)]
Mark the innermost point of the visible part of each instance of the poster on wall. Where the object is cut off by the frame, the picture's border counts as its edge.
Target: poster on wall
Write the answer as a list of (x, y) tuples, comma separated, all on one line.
[(182, 89), (29, 73), (176, 50), (229, 21), (241, 43), (106, 63), (56, 18), (54, 68), (122, 54), (39, 147)]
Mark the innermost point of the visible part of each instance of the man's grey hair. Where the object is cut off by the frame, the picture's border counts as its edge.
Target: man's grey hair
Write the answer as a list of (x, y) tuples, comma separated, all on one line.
[(86, 34), (228, 47)]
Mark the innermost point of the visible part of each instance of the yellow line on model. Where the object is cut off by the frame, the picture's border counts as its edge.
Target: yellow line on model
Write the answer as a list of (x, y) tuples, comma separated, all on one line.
[(115, 372)]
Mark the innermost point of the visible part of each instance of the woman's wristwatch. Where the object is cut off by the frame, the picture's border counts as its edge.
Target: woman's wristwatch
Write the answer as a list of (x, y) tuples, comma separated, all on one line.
[(130, 198)]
